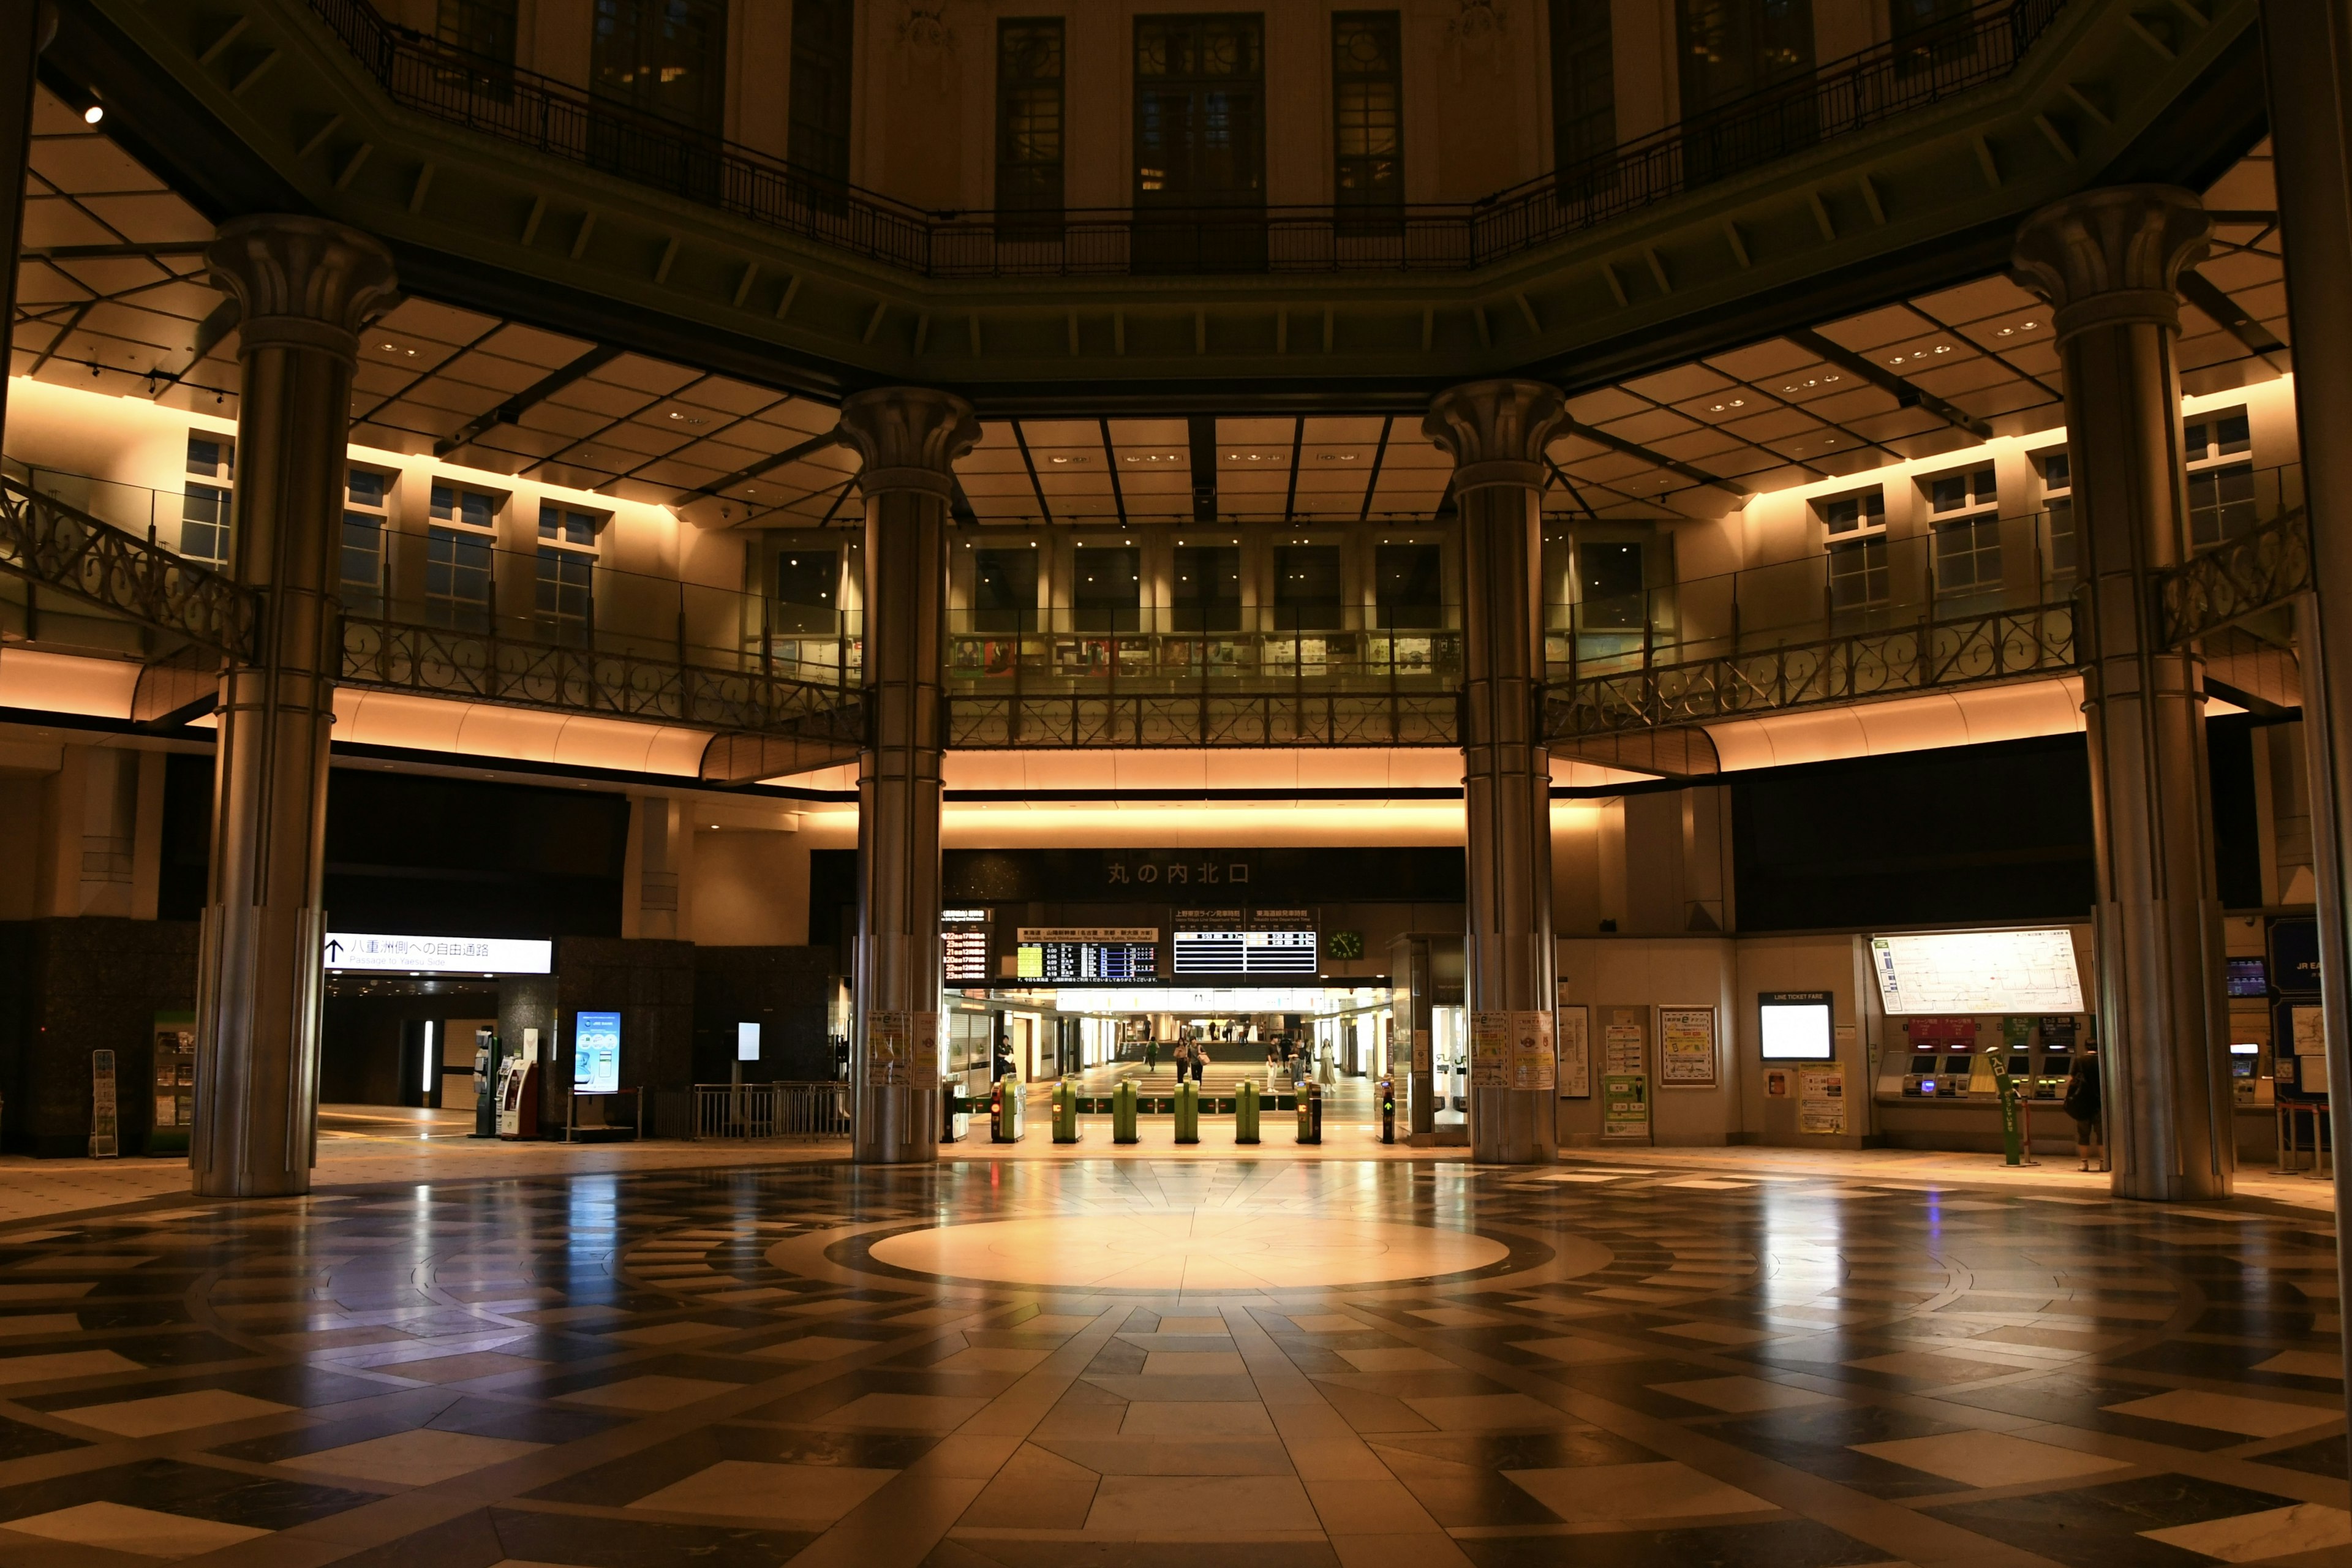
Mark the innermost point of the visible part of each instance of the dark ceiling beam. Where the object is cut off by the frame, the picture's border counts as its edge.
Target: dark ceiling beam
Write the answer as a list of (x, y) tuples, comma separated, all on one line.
[(2228, 314), (765, 465), (1906, 394), (1657, 459), (113, 252), (511, 411)]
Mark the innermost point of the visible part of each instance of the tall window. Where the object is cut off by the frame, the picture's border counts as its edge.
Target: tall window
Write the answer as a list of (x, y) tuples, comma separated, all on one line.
[(1731, 50), (1004, 591), (1207, 594), (819, 142), (1200, 110), (808, 592), (367, 501), (1859, 580), (1963, 508), (1307, 588), (1610, 586), (458, 556), (205, 508), (2220, 491), (1583, 83), (1108, 593), (1029, 115), (1409, 587), (565, 604), (664, 58), (2058, 550), (1368, 109), (484, 27)]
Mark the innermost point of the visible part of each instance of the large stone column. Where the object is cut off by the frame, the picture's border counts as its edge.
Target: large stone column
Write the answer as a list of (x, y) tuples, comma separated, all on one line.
[(305, 286), (2108, 261), (909, 439), (1496, 432), (2309, 46)]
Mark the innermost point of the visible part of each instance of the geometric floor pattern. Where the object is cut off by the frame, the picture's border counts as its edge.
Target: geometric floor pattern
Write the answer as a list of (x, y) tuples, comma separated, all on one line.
[(1410, 1364)]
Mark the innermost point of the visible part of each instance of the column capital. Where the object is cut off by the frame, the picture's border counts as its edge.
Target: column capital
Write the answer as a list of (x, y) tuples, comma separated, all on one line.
[(2112, 256), (300, 282), (908, 437), (1496, 431)]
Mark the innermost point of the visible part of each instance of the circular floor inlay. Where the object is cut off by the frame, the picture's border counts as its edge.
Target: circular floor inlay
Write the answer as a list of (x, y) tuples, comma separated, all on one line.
[(1188, 1250)]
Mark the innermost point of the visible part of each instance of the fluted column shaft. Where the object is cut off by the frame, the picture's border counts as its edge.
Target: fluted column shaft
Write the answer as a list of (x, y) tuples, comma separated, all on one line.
[(304, 287), (2109, 260), (1496, 432), (908, 438)]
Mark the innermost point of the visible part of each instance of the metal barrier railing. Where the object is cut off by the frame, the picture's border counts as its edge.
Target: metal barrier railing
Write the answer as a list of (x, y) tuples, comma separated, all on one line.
[(65, 549), (769, 1112)]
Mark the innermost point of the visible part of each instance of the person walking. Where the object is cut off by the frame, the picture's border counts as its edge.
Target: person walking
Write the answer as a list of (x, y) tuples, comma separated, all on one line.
[(1152, 1055), (2083, 1104)]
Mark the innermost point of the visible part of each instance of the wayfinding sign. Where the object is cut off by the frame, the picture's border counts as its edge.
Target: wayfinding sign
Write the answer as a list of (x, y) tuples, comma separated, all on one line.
[(385, 952)]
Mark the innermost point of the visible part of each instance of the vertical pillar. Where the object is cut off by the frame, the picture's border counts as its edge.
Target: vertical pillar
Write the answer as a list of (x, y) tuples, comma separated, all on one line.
[(25, 28), (1496, 432), (2108, 261), (304, 287), (2309, 50), (908, 439)]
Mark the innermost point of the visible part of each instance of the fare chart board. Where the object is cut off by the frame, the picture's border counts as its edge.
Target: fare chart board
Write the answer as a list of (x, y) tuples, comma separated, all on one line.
[(1977, 972)]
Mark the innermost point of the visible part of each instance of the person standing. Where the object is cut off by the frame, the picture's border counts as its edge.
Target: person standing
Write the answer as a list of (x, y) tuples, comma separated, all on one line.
[(2083, 1104)]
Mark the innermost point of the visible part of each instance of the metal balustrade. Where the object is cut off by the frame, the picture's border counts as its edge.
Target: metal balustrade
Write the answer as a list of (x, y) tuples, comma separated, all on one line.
[(769, 1112), (2232, 583), (61, 549), (556, 119), (1927, 656)]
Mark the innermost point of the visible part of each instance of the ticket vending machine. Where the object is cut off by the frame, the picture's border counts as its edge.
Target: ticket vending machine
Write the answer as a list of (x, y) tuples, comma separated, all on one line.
[(518, 1091)]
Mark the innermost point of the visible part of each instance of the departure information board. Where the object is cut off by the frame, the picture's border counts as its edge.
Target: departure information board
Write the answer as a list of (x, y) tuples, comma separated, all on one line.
[(1969, 972), (1071, 955), (1245, 953), (963, 946)]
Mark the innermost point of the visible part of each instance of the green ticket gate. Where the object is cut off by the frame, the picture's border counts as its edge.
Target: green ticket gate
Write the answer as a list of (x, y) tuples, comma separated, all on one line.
[(1004, 1112), (1310, 1113), (1188, 1112), (1066, 1111), (1122, 1114), (1246, 1113)]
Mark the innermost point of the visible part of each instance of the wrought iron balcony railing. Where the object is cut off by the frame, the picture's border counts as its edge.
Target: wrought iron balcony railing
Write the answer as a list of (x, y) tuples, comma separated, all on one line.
[(1999, 644), (61, 549), (2255, 572), (1224, 718), (554, 118)]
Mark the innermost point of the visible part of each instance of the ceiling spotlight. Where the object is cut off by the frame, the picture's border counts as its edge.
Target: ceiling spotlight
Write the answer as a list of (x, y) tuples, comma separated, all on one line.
[(93, 114)]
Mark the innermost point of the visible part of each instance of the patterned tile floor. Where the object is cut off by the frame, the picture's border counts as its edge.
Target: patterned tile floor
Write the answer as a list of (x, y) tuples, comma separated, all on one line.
[(1236, 1361)]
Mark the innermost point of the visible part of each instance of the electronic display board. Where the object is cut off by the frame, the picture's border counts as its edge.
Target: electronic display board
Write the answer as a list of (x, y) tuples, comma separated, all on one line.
[(1081, 955), (1796, 1025), (595, 1053), (1966, 972), (1246, 953), (2248, 978), (963, 947)]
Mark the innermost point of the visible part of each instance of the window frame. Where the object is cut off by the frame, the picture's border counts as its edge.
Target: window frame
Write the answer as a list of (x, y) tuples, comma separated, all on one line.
[(1028, 207), (372, 598), (1383, 188), (214, 487), (457, 532), (567, 555), (2214, 463)]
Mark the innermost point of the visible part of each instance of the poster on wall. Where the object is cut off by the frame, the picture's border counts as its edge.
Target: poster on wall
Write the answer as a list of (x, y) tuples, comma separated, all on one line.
[(1820, 1101), (1624, 1106), (1625, 1043), (1420, 1054), (1687, 1047), (924, 1067), (1532, 1064), (1575, 1052), (889, 1047), (1490, 1050)]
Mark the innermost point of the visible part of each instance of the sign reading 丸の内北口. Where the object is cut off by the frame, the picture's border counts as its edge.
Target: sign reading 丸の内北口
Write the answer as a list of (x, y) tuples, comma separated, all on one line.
[(433, 954), (595, 1053)]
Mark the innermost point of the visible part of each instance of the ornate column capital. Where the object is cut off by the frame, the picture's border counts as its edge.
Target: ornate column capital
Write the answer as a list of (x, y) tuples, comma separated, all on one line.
[(1496, 431), (2112, 256), (300, 282), (908, 437)]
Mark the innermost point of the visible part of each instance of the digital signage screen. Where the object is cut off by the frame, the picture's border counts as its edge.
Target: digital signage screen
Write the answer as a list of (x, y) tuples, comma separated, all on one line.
[(595, 1053), (1970, 971), (1796, 1025), (1061, 955)]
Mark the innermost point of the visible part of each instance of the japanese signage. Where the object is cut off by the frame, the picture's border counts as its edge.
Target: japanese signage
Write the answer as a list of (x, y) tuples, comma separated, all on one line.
[(1624, 1106), (439, 955), (104, 1143), (1624, 1040), (1490, 1050), (1820, 1101), (1575, 1051), (1687, 1047), (1532, 1066)]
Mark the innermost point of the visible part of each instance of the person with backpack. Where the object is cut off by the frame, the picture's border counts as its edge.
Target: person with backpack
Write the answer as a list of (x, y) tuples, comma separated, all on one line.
[(2083, 1104)]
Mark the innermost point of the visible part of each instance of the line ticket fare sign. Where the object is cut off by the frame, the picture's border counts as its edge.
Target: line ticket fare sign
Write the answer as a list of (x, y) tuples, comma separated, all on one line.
[(1977, 972)]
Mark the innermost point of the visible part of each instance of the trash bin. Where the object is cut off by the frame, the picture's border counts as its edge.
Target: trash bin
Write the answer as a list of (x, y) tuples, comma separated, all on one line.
[(1310, 1113), (1066, 1111), (1188, 1112), (1246, 1113), (1122, 1114)]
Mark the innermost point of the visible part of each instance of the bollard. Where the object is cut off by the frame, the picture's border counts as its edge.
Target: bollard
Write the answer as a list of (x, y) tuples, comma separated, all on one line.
[(1122, 1114), (1066, 1111), (1188, 1112), (1388, 1110), (1310, 1113), (1246, 1113)]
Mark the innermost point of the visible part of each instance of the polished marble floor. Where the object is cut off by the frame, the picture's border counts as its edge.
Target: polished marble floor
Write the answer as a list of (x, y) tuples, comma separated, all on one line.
[(1150, 1362)]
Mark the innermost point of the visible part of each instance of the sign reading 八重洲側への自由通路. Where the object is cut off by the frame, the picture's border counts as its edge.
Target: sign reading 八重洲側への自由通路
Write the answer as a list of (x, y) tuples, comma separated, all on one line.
[(439, 955)]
